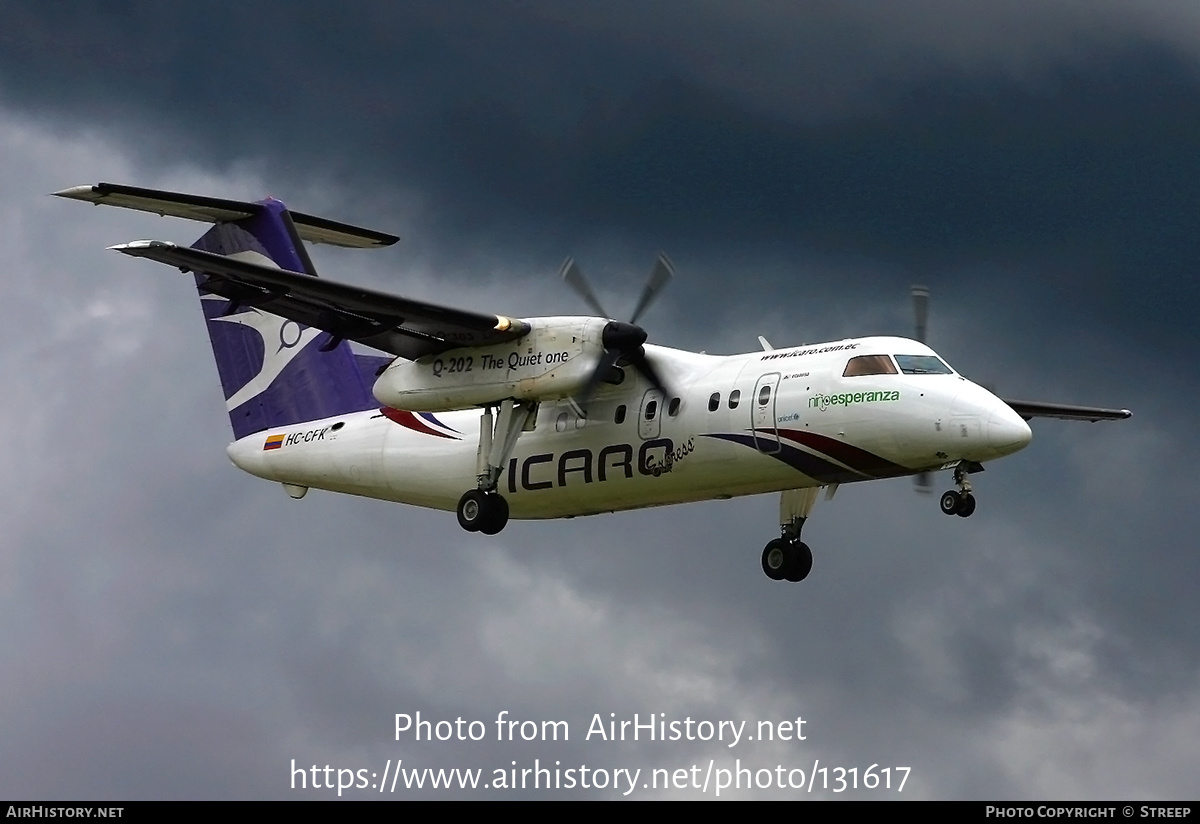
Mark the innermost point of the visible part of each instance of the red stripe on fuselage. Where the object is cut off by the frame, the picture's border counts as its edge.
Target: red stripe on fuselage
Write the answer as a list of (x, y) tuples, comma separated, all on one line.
[(411, 421), (860, 460)]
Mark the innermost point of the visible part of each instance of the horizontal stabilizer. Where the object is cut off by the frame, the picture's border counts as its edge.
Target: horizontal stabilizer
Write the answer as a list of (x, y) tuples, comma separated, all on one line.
[(402, 326), (218, 210), (1036, 409)]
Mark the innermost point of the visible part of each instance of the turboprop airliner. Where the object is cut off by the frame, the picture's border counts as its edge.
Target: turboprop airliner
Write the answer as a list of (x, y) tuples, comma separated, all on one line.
[(497, 417)]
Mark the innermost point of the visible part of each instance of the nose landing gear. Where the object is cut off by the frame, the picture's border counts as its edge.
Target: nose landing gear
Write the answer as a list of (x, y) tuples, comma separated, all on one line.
[(961, 502), (958, 503)]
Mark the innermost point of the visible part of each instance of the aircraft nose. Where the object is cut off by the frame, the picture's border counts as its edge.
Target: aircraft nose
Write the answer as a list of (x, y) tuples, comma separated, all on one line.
[(1007, 431)]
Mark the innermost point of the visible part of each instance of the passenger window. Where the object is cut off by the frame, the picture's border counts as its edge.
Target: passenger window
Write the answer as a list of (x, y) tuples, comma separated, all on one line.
[(714, 400), (764, 395), (651, 410), (673, 408), (560, 423), (869, 365), (735, 397), (620, 416)]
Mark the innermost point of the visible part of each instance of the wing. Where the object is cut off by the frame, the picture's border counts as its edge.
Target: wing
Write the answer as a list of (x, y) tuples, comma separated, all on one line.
[(220, 210), (404, 327), (1036, 409)]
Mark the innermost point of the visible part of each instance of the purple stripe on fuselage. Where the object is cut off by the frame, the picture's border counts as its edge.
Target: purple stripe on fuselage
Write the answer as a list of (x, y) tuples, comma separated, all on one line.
[(429, 417), (811, 465)]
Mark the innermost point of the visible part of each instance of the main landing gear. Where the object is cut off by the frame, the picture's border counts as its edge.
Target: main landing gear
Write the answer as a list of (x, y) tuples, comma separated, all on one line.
[(787, 558), (483, 509), (480, 511), (960, 502)]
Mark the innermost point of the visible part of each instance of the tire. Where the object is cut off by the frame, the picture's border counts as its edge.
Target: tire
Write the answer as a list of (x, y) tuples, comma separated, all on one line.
[(775, 559), (472, 510), (495, 515), (950, 503), (966, 506), (800, 562)]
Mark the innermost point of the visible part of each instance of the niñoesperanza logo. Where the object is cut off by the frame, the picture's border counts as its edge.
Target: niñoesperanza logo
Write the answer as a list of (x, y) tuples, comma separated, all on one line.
[(823, 402)]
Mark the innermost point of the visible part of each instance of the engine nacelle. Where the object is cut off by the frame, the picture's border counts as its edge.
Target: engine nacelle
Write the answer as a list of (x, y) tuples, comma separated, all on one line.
[(554, 360)]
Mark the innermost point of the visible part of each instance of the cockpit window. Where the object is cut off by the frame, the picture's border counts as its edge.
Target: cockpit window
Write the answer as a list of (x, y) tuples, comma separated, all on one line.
[(923, 365), (869, 365)]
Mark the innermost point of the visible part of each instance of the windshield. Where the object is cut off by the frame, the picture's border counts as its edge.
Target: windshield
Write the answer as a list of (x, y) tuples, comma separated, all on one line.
[(922, 365), (869, 365)]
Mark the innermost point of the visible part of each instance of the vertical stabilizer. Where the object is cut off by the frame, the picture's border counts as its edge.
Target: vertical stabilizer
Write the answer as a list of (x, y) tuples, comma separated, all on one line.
[(274, 371)]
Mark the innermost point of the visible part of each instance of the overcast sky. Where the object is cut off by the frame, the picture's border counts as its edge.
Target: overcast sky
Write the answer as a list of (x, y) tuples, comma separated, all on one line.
[(174, 628)]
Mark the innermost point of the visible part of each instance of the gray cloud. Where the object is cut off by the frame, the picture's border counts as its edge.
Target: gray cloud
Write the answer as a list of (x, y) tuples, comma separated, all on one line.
[(181, 630)]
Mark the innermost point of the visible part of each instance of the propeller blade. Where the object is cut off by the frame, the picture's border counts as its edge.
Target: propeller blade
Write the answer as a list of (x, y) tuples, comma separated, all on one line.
[(620, 340), (623, 342), (641, 363), (606, 367), (920, 297), (660, 275), (573, 275), (923, 482)]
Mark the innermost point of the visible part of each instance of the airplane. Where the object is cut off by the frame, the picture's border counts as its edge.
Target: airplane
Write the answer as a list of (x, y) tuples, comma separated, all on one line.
[(492, 416)]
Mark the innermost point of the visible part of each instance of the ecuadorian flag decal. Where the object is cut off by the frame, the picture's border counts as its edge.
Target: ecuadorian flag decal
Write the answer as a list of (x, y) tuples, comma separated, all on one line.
[(273, 442)]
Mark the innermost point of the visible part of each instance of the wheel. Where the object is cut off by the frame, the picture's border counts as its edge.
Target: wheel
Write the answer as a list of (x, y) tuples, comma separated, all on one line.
[(480, 511), (774, 559), (950, 503), (966, 505), (472, 510), (495, 514), (799, 562)]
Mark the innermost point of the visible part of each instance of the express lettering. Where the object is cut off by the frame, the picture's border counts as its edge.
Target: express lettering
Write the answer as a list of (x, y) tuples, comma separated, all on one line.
[(582, 466), (670, 457)]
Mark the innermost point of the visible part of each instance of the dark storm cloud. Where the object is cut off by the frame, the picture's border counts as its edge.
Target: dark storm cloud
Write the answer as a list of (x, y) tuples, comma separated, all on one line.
[(1024, 135), (1033, 162)]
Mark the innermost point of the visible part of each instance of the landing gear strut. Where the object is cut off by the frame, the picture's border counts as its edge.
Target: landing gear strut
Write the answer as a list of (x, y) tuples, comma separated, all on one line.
[(483, 509), (960, 502)]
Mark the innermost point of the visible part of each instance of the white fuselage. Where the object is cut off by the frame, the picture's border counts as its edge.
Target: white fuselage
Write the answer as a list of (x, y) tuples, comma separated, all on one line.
[(743, 424)]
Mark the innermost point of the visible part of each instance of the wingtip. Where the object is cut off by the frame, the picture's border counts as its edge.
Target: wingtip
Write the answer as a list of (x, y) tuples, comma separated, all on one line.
[(75, 192), (134, 246)]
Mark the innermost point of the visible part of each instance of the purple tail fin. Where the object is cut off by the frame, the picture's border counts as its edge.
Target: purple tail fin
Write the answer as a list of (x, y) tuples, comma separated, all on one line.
[(275, 372)]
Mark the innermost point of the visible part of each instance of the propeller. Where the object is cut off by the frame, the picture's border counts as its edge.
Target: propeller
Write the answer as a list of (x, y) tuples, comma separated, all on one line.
[(920, 298), (920, 301), (660, 276), (623, 342)]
